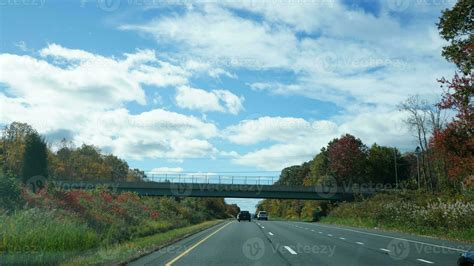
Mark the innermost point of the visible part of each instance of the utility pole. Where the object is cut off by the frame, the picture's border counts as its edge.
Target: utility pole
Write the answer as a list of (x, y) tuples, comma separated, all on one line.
[(418, 151), (395, 163)]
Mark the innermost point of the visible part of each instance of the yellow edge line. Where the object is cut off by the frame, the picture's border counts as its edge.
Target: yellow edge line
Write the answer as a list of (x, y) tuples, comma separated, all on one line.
[(195, 245)]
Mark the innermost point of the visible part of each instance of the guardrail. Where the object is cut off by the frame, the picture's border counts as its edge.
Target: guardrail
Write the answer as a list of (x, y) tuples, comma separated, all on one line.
[(212, 179)]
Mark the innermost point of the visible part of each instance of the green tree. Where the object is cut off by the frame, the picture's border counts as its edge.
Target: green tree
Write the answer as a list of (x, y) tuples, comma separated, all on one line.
[(294, 175), (381, 164), (13, 146), (35, 157), (319, 167), (456, 26), (118, 168), (454, 145), (10, 192)]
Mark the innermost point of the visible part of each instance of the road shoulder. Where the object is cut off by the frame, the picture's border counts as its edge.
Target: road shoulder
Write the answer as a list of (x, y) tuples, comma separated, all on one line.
[(135, 249)]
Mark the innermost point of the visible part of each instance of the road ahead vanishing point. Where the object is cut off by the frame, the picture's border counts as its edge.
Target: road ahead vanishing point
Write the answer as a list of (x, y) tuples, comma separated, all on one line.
[(299, 243)]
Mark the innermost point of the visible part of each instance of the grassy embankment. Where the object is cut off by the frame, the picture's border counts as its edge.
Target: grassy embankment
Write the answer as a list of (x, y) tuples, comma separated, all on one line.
[(130, 250), (444, 215), (55, 226)]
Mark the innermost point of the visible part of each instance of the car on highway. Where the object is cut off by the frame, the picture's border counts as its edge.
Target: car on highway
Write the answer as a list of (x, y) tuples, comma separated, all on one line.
[(262, 215), (466, 259), (244, 215)]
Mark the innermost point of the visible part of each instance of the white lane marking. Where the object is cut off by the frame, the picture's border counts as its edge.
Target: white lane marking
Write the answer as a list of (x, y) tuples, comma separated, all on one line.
[(397, 238), (320, 232), (263, 227), (342, 238), (312, 230), (425, 261), (384, 249), (329, 235), (270, 233), (290, 250), (360, 243)]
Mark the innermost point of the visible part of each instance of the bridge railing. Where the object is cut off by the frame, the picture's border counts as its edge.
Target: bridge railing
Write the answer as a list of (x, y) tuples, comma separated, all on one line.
[(211, 179)]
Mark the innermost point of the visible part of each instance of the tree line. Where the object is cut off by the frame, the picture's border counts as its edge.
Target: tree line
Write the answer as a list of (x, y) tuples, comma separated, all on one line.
[(25, 154), (444, 158)]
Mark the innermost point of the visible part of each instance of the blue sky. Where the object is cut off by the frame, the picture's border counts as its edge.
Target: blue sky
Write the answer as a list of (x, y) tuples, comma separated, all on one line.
[(230, 86)]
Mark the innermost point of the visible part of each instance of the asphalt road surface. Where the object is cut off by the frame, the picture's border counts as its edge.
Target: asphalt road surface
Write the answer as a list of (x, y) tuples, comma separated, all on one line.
[(299, 243)]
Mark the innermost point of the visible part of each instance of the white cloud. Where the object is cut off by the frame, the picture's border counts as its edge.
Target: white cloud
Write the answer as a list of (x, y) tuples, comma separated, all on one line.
[(215, 100), (298, 140), (216, 35), (85, 93), (280, 129), (347, 56), (364, 63)]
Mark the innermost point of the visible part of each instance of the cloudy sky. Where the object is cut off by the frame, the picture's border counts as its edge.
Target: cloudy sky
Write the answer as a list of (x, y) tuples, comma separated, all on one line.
[(218, 86)]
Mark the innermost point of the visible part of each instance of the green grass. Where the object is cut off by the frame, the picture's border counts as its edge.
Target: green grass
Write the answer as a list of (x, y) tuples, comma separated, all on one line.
[(42, 237), (127, 251), (465, 235)]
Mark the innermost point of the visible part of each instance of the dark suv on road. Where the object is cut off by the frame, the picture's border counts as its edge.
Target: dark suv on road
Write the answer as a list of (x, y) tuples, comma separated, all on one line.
[(243, 215)]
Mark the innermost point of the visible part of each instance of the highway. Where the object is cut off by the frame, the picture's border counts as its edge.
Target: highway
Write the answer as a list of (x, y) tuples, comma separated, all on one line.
[(300, 243)]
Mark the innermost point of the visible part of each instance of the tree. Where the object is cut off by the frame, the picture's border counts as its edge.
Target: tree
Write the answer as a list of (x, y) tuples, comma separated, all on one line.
[(136, 175), (455, 144), (348, 159), (35, 157), (118, 168), (294, 175), (424, 119), (319, 167), (456, 26), (10, 192), (381, 164), (12, 147)]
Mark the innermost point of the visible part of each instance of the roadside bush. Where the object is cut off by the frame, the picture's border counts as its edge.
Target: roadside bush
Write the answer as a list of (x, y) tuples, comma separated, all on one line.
[(123, 216), (10, 192)]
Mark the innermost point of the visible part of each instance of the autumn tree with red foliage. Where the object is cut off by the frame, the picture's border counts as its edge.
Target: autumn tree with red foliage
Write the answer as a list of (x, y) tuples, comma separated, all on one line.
[(455, 143), (348, 159)]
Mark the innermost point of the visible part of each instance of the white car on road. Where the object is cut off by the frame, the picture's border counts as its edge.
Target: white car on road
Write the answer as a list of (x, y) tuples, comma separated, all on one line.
[(262, 215)]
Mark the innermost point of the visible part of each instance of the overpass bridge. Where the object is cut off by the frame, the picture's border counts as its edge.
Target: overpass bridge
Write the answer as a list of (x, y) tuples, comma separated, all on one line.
[(221, 186)]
